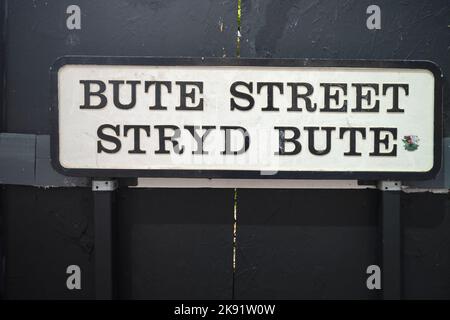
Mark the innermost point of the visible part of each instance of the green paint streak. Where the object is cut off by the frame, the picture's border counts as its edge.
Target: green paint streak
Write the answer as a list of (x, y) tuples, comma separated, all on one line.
[(235, 198), (238, 38)]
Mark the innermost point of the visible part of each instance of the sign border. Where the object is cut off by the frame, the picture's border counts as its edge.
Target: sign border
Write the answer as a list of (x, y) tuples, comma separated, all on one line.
[(246, 174)]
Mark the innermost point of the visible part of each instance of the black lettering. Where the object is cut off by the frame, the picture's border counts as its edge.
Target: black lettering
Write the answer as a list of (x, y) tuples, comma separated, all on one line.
[(311, 144), (110, 138), (184, 95), (304, 96), (173, 138), (88, 93), (137, 136), (367, 97), (352, 141), (385, 141), (116, 94), (199, 139), (158, 85), (270, 86), (241, 95), (395, 95), (282, 141), (328, 96), (245, 134)]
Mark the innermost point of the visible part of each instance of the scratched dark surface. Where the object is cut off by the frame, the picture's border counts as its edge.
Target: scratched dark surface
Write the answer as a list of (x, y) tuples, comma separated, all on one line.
[(175, 244), (46, 231), (426, 246), (174, 254), (37, 36), (336, 29), (178, 243), (305, 244), (317, 243)]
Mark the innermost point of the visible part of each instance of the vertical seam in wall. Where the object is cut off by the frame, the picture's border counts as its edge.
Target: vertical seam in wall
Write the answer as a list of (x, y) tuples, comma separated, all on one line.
[(234, 239), (235, 197)]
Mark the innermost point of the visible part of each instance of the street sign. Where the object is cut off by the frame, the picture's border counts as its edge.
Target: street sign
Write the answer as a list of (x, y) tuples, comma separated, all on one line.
[(246, 118)]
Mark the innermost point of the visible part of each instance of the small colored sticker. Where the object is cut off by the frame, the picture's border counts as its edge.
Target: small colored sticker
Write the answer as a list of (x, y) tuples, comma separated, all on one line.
[(411, 142)]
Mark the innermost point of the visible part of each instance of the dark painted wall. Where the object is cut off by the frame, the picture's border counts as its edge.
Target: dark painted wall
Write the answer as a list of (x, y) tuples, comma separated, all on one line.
[(2, 97), (173, 243), (336, 29), (37, 36), (318, 243), (178, 243), (314, 244), (47, 230)]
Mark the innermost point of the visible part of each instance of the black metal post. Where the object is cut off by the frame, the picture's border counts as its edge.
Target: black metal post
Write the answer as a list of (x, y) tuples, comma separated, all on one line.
[(104, 197), (3, 25), (391, 241), (3, 52)]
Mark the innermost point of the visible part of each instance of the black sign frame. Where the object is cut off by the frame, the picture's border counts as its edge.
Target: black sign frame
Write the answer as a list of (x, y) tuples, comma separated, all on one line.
[(243, 62)]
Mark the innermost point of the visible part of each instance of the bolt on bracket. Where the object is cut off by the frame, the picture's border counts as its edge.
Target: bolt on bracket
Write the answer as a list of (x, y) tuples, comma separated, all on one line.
[(104, 185), (389, 185)]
